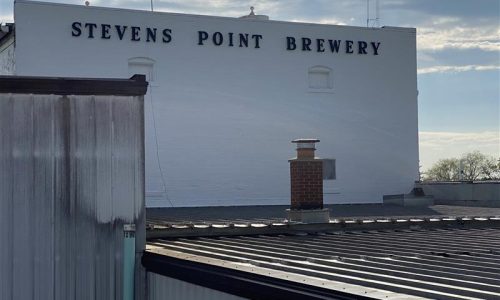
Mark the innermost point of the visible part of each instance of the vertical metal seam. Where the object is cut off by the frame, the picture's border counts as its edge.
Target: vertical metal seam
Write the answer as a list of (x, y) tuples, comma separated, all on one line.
[(113, 221), (73, 168), (32, 220), (94, 209), (55, 150), (11, 206)]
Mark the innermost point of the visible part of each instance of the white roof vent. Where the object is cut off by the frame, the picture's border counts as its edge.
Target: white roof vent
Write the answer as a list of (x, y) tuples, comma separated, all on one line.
[(253, 16)]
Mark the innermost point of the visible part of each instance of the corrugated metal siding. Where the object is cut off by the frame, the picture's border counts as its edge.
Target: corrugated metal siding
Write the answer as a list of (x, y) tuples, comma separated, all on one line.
[(162, 287), (71, 174)]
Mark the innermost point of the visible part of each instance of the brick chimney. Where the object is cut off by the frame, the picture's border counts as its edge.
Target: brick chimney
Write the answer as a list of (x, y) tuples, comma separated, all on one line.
[(306, 182)]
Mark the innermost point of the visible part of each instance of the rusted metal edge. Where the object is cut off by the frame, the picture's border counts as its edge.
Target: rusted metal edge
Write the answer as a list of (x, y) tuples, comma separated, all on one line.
[(135, 86)]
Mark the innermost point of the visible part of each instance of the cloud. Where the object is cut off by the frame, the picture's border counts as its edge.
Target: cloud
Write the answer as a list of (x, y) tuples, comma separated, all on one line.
[(442, 137), (450, 36), (444, 26), (327, 21), (456, 69), (226, 8), (438, 145), (462, 8)]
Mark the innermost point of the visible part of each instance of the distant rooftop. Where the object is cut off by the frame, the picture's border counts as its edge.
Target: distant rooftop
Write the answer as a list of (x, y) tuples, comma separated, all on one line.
[(276, 213)]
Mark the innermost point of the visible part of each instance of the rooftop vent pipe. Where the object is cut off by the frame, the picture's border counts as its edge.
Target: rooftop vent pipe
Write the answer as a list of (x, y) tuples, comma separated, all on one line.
[(253, 16)]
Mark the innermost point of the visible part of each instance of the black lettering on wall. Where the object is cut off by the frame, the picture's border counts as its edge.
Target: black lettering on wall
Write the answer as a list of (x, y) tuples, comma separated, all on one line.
[(375, 46), (105, 31), (362, 47), (244, 39), (306, 43), (319, 45), (290, 43), (334, 45), (150, 34), (91, 27), (202, 36), (121, 31), (135, 33), (76, 29), (348, 47), (256, 38), (217, 38), (167, 35)]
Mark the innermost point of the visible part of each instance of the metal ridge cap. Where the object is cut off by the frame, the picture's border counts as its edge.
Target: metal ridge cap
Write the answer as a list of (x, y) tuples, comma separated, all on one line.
[(187, 230)]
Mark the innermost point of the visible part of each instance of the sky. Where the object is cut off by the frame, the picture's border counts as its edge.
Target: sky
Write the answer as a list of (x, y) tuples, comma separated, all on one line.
[(458, 56)]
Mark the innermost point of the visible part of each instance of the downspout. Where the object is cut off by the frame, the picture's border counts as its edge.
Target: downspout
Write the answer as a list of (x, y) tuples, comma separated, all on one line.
[(128, 261)]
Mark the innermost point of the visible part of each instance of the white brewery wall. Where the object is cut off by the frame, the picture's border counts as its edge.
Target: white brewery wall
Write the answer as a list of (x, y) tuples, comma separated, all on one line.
[(219, 119)]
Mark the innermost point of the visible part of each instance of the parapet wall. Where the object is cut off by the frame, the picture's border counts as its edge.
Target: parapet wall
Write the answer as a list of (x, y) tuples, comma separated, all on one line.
[(464, 193)]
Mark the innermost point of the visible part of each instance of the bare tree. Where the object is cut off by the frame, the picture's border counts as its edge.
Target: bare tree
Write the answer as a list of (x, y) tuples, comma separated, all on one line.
[(471, 166), (491, 169), (444, 170)]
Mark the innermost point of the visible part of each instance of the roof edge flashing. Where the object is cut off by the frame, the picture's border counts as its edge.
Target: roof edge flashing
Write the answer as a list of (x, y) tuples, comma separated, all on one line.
[(135, 86)]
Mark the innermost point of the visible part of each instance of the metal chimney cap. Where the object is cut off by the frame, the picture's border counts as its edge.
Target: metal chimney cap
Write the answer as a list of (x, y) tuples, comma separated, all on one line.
[(305, 141)]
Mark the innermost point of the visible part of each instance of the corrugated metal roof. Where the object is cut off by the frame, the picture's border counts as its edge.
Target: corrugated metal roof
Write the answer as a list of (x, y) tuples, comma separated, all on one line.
[(432, 263)]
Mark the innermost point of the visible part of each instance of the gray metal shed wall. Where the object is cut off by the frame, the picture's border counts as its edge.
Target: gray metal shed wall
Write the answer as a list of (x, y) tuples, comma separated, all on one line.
[(71, 174), (161, 287)]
